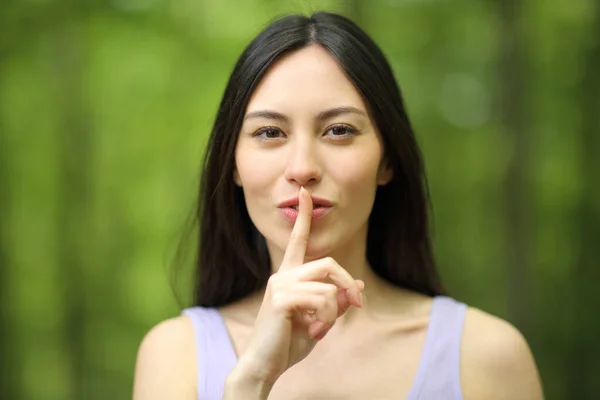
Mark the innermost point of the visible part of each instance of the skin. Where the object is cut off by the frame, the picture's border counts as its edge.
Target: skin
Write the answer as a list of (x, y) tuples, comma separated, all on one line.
[(312, 332)]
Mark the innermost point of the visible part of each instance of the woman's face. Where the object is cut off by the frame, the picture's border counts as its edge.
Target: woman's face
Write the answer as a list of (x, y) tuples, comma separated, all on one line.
[(306, 125)]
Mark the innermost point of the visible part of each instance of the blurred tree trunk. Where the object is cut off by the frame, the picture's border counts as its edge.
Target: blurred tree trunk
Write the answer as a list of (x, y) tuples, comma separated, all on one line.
[(517, 232), (9, 362), (74, 235), (584, 361)]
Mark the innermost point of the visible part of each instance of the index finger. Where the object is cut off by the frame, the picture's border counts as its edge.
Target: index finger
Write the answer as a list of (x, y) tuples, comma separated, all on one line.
[(296, 248)]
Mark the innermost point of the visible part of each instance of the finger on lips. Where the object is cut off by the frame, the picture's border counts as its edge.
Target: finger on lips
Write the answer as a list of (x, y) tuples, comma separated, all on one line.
[(322, 302), (296, 248)]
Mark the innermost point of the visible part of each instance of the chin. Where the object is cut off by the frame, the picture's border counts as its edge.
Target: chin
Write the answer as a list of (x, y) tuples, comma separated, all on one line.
[(315, 251)]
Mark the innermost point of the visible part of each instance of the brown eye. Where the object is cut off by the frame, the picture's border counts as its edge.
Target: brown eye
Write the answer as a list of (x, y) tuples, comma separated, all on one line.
[(341, 131), (271, 133), (268, 133)]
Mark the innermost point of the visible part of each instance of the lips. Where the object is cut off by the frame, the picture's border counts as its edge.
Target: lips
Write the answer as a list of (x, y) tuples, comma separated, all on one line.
[(314, 206), (294, 203), (291, 214), (289, 208)]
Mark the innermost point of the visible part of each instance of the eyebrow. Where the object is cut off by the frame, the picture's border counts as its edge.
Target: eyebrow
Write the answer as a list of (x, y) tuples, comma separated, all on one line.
[(322, 116)]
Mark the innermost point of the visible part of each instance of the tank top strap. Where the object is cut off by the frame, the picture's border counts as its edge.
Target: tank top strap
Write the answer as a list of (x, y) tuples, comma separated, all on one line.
[(438, 376), (214, 351)]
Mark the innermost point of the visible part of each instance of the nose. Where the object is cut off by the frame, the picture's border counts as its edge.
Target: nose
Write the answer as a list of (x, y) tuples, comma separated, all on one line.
[(303, 165)]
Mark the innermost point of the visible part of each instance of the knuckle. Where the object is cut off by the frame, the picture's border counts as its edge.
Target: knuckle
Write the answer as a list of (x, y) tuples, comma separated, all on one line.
[(276, 283), (332, 300), (279, 301), (271, 285), (331, 265), (331, 290), (273, 279)]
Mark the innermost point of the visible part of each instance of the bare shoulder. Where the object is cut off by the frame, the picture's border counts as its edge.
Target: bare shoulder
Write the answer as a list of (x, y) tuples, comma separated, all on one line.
[(496, 361), (166, 362)]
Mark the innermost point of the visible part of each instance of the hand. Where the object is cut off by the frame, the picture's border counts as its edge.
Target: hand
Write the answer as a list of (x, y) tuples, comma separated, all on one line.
[(301, 304)]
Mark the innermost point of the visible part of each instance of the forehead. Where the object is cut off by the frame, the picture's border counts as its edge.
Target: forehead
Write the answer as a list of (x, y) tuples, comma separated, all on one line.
[(307, 78)]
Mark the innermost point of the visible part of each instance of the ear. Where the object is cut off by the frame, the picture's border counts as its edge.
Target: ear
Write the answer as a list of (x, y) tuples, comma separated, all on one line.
[(385, 173), (236, 178)]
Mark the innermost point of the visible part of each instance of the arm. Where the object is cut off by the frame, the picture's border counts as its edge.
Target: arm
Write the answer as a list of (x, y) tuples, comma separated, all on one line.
[(496, 361), (241, 386), (166, 362), (166, 367)]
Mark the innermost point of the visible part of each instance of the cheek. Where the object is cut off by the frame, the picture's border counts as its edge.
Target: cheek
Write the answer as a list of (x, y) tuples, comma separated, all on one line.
[(251, 171), (357, 184), (359, 173), (257, 177)]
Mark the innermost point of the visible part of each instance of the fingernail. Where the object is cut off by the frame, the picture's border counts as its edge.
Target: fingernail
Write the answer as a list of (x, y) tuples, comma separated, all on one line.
[(358, 299), (361, 299), (361, 284), (321, 336)]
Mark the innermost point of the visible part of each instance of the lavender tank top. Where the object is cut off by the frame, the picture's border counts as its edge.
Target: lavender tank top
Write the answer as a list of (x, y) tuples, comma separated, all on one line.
[(438, 374)]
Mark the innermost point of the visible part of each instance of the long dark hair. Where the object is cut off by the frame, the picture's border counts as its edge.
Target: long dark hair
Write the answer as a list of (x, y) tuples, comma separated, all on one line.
[(232, 258)]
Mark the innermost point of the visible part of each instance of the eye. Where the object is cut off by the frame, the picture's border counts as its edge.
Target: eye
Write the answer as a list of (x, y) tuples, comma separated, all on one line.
[(341, 131), (268, 133)]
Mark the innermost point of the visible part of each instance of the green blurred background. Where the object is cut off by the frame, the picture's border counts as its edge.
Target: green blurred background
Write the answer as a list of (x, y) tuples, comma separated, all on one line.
[(105, 107)]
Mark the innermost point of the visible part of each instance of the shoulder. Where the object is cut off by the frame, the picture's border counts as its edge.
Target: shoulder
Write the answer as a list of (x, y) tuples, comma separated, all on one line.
[(166, 362), (496, 362)]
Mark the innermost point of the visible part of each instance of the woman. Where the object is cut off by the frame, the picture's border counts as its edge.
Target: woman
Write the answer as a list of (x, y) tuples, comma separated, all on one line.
[(315, 271)]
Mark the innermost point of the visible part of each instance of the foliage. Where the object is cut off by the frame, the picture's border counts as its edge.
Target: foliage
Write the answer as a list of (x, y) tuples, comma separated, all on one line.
[(105, 109)]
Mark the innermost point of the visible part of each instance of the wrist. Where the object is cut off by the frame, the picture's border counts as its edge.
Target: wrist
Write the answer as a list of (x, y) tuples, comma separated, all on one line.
[(246, 382)]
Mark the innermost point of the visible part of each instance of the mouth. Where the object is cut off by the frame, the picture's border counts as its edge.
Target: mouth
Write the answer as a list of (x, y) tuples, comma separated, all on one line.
[(315, 206), (316, 201), (291, 213), (289, 209)]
